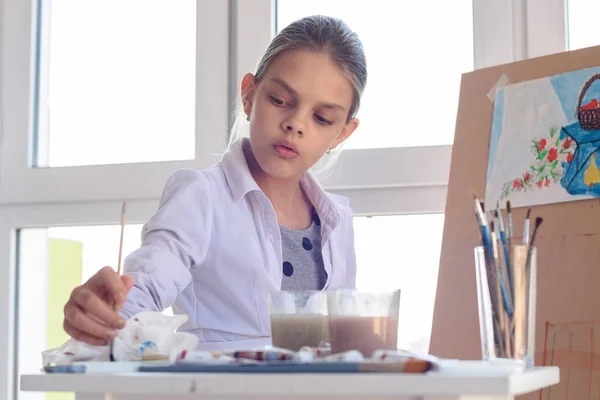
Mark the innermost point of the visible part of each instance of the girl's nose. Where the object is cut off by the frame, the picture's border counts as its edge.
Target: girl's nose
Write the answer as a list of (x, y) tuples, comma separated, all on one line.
[(290, 128)]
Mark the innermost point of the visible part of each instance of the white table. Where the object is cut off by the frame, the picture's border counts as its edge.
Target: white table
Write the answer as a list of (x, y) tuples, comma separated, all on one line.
[(433, 386)]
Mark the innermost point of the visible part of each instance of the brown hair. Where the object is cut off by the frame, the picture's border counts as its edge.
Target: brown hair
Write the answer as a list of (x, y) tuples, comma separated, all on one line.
[(320, 34)]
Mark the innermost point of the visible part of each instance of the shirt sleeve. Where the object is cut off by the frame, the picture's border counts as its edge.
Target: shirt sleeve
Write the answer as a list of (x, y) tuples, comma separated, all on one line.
[(174, 239)]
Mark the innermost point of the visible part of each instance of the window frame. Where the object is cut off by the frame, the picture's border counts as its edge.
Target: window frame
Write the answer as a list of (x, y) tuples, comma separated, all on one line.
[(21, 184), (17, 217), (547, 27), (364, 175), (234, 32)]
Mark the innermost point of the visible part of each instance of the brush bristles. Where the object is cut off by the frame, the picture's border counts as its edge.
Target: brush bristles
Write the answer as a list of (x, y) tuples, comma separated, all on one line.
[(538, 221), (508, 206), (528, 213)]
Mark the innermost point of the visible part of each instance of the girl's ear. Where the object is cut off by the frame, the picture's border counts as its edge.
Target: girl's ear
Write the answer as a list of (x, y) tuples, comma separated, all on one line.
[(247, 92), (347, 130)]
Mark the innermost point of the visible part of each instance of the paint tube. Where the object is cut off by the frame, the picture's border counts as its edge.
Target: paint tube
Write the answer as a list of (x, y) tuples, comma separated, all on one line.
[(317, 351), (305, 354), (401, 356), (269, 354), (197, 356), (350, 356), (411, 362)]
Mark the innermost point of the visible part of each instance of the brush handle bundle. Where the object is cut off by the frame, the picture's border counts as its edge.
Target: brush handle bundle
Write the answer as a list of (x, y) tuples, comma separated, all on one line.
[(507, 318), (506, 287)]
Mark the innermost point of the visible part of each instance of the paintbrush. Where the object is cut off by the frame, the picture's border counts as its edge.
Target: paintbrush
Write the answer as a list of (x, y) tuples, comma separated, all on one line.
[(511, 270), (490, 272), (509, 221), (526, 228), (538, 222), (498, 270), (123, 210), (524, 291), (505, 248), (506, 314), (510, 240), (504, 263)]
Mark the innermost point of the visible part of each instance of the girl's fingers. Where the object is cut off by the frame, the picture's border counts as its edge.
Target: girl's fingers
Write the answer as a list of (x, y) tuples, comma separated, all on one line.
[(82, 336), (109, 282), (84, 302)]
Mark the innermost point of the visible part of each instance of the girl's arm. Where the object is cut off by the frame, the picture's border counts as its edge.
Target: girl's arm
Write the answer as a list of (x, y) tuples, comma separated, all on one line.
[(174, 240)]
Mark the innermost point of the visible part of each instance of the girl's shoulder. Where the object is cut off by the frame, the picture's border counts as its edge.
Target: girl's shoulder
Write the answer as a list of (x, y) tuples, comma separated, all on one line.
[(193, 186), (339, 200), (343, 206), (210, 178)]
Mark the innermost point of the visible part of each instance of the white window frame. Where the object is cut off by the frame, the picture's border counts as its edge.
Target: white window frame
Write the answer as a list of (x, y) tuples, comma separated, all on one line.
[(376, 181), (504, 31), (384, 181), (547, 27), (14, 218), (21, 184)]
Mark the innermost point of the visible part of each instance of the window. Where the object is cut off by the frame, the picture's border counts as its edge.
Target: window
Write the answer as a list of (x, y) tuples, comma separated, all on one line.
[(409, 99), (402, 252), (45, 251), (408, 112), (102, 92), (52, 262), (582, 23), (56, 172), (98, 90), (391, 167)]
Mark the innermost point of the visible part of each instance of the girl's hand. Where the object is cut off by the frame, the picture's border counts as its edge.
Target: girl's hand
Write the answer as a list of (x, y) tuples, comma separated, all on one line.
[(90, 316)]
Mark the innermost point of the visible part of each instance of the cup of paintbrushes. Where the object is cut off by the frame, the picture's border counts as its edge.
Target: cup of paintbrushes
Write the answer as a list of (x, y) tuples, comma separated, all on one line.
[(506, 299)]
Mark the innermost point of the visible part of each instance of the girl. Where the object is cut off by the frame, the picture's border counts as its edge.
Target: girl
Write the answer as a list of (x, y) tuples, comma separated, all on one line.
[(257, 222)]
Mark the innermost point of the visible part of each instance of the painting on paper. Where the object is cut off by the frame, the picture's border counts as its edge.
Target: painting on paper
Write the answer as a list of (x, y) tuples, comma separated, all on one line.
[(545, 139)]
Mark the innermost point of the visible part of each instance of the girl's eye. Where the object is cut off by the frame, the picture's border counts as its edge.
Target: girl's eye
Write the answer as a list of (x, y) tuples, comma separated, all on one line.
[(322, 120), (277, 101)]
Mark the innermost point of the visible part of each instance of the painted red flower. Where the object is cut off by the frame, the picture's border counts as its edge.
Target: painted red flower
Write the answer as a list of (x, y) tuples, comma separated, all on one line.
[(526, 177), (570, 157), (516, 184), (540, 184), (567, 143), (552, 154), (547, 183), (542, 144)]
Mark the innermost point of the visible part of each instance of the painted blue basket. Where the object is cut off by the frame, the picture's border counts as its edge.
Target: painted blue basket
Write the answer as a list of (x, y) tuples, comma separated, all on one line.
[(580, 176)]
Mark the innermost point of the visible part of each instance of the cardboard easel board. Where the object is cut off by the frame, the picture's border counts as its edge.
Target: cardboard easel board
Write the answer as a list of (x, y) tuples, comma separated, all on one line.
[(568, 283)]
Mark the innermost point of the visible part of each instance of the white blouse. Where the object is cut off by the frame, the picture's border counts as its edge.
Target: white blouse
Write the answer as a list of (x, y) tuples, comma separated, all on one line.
[(213, 252)]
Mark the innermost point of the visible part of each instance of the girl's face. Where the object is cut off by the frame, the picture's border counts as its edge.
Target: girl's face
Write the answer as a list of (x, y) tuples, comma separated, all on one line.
[(297, 112)]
